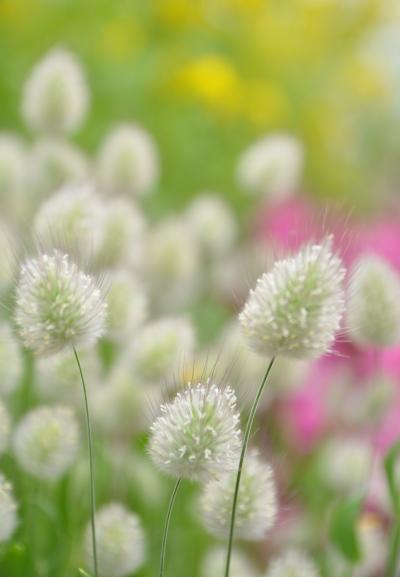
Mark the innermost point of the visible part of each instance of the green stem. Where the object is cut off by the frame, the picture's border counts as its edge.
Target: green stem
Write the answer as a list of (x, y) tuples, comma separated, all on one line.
[(92, 486), (166, 526), (394, 551), (246, 438)]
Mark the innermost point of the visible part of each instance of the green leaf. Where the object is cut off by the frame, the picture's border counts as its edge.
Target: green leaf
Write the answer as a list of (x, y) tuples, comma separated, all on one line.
[(343, 528), (391, 460), (83, 572)]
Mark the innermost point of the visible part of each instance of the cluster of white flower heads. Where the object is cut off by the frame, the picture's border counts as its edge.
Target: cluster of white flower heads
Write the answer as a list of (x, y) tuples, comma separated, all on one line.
[(292, 563), (56, 97), (46, 441), (296, 308), (128, 161), (214, 564), (58, 305), (5, 426), (271, 166), (197, 435), (345, 463), (257, 501), (373, 316), (8, 510), (120, 541)]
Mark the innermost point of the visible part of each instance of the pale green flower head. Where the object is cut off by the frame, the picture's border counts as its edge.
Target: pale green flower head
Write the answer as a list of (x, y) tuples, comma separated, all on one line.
[(292, 563)]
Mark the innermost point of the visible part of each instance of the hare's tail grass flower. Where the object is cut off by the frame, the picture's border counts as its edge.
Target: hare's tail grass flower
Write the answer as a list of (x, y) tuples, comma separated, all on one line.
[(294, 311), (196, 436)]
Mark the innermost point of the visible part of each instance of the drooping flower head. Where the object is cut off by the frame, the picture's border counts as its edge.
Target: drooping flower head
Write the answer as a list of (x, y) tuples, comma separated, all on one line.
[(295, 309), (46, 441), (373, 315), (257, 502), (120, 541), (293, 563), (56, 96), (57, 304), (197, 435), (8, 510)]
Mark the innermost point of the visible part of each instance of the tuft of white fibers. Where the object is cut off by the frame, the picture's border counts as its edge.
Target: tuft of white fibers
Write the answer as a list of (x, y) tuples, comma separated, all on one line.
[(11, 363), (197, 435), (123, 229), (58, 305), (214, 564), (8, 510), (73, 214), (257, 502), (13, 163), (120, 540), (345, 464), (295, 309), (128, 161), (272, 166), (127, 304), (172, 264), (46, 441), (213, 224), (292, 563), (5, 427), (161, 347), (373, 316), (56, 96), (55, 162)]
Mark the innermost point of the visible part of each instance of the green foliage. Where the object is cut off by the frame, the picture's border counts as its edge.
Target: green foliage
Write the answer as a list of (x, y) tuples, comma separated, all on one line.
[(343, 523)]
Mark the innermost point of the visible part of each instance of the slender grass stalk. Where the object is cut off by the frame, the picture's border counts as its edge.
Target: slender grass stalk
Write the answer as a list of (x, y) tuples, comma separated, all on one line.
[(166, 526), (91, 467), (394, 551), (246, 438)]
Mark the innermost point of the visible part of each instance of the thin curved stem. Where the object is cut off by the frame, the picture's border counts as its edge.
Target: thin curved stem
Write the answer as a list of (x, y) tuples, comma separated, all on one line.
[(394, 551), (166, 526), (246, 438), (91, 467)]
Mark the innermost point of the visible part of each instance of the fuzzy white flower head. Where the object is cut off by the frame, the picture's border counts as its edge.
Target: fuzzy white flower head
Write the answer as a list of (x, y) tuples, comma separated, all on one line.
[(123, 228), (197, 435), (127, 305), (72, 215), (120, 540), (128, 161), (292, 563), (13, 162), (296, 308), (213, 224), (58, 305), (56, 97), (345, 464), (11, 365), (271, 166), (46, 441), (55, 162), (5, 426), (257, 502), (8, 510), (161, 346), (214, 564), (373, 306)]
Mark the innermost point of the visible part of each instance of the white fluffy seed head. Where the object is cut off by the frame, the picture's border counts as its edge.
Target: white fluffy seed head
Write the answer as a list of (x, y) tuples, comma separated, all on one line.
[(46, 442), (296, 308), (127, 304), (58, 305), (271, 166), (8, 510), (197, 435), (128, 161), (292, 563), (213, 224), (214, 564), (11, 363), (345, 464), (161, 346), (120, 541), (56, 97), (373, 316), (72, 214), (5, 426), (257, 502)]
